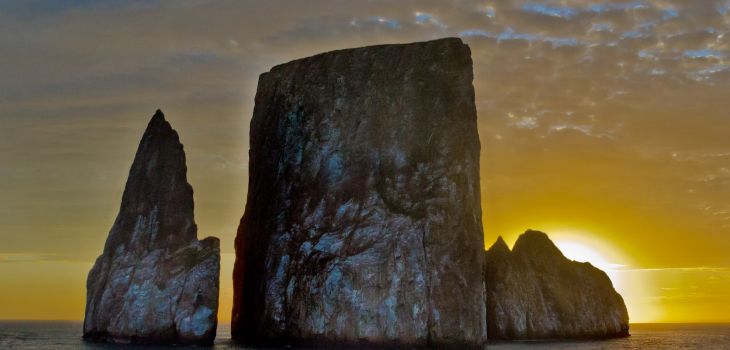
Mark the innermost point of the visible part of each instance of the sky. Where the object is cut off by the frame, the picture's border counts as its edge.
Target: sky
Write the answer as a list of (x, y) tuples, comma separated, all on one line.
[(604, 124)]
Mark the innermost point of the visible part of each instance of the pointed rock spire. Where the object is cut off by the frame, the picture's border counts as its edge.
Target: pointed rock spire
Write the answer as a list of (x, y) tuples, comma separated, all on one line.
[(155, 282), (158, 191), (499, 246)]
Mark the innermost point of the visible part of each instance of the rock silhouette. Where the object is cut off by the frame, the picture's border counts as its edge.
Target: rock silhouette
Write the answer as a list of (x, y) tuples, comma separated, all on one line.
[(534, 292), (155, 281), (363, 219)]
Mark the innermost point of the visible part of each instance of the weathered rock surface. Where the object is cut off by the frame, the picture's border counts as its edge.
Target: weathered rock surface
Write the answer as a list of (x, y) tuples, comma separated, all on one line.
[(363, 220), (534, 292), (155, 281)]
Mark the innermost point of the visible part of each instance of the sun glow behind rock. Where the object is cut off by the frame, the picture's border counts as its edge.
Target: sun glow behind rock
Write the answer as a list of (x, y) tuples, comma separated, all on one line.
[(580, 252), (583, 248), (586, 247)]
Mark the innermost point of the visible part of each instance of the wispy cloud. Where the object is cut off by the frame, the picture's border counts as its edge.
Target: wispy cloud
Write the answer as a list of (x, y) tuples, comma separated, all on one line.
[(425, 18), (682, 269), (587, 130), (617, 6), (510, 34), (563, 12), (704, 53), (36, 257), (524, 122), (376, 20)]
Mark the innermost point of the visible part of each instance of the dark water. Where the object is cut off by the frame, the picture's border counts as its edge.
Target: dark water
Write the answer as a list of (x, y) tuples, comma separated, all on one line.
[(67, 335)]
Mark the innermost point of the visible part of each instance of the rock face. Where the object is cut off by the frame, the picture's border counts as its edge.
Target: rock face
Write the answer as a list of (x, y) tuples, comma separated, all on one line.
[(155, 281), (534, 292), (363, 220)]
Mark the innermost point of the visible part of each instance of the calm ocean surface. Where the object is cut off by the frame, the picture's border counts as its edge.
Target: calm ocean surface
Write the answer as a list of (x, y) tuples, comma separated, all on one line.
[(67, 335)]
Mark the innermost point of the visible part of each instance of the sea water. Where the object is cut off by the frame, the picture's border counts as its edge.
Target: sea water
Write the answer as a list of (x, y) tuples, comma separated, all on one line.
[(66, 335)]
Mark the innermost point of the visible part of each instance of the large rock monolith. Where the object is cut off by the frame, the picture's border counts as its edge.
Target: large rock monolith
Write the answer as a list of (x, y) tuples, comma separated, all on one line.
[(363, 220), (534, 292), (155, 281)]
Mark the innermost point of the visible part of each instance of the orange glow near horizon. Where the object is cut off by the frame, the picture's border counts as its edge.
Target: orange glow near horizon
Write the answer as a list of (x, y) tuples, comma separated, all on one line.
[(605, 126)]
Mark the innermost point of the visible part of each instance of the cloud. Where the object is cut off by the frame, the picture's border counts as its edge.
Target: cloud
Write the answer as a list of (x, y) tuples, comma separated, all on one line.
[(704, 53), (601, 27), (558, 42), (670, 13), (489, 11), (509, 34), (617, 7), (562, 12), (634, 34), (587, 130), (707, 73), (376, 20), (684, 269), (424, 18), (523, 122), (475, 33), (722, 8), (36, 258), (685, 156)]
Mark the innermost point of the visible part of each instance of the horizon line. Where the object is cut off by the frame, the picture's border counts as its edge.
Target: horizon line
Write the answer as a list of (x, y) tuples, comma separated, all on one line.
[(228, 323)]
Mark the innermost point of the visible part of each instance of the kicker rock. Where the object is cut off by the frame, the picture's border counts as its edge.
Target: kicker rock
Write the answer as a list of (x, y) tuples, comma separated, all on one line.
[(363, 219), (534, 292), (155, 281)]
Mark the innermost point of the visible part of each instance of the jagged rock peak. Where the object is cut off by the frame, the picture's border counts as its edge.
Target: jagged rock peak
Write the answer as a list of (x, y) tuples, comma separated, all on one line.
[(534, 242), (155, 282), (499, 245), (158, 115), (160, 126), (534, 292), (363, 218)]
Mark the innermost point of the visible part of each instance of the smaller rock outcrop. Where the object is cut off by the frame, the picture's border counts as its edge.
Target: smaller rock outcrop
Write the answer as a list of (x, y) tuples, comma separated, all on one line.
[(534, 292), (155, 281)]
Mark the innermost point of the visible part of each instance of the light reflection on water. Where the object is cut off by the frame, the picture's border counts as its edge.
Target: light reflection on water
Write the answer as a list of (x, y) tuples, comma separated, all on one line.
[(27, 335)]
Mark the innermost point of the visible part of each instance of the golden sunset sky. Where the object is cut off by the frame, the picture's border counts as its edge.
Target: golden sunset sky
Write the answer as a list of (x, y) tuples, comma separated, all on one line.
[(605, 124)]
